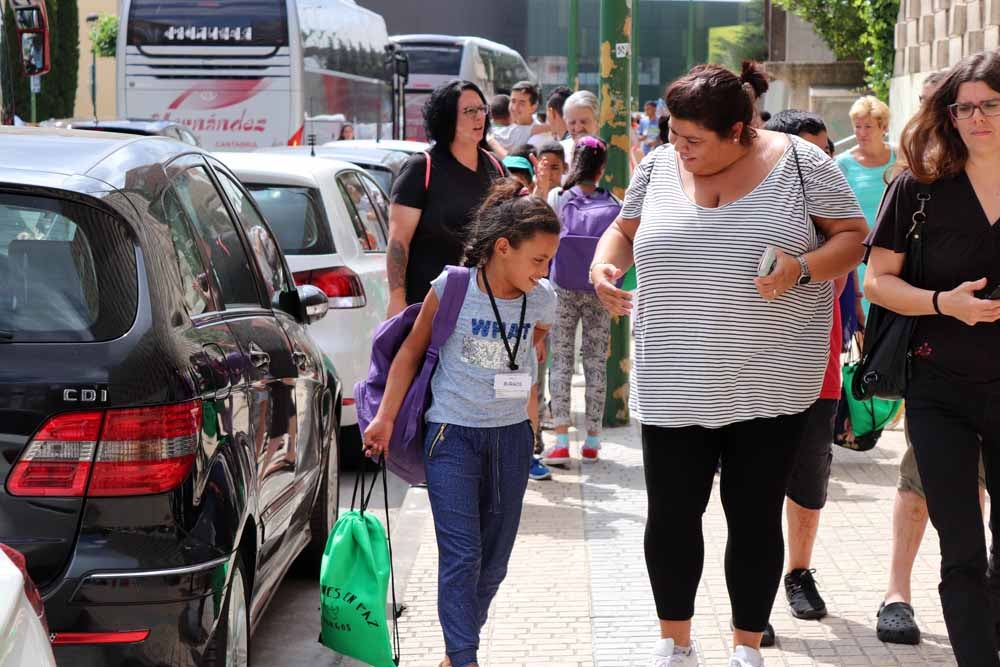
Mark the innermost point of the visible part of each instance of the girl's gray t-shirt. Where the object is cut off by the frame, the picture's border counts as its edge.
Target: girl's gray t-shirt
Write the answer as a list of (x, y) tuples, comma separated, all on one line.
[(462, 386)]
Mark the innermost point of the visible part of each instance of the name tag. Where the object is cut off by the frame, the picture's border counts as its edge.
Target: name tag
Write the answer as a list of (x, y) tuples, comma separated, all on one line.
[(512, 385)]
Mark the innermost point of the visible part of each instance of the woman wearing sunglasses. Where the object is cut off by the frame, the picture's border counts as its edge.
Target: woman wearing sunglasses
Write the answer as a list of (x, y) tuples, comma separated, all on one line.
[(951, 149)]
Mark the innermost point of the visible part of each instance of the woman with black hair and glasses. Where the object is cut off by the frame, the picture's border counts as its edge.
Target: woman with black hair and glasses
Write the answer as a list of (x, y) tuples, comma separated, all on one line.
[(432, 204), (951, 150)]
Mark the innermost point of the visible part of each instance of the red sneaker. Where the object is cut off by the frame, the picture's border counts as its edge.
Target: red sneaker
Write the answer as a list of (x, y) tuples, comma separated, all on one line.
[(556, 456), (590, 454)]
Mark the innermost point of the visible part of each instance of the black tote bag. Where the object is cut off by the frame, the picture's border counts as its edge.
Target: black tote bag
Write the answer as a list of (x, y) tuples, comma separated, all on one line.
[(884, 369)]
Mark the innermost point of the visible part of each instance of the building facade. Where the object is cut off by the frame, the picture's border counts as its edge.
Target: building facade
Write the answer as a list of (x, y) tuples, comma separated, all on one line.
[(933, 35), (83, 108), (673, 35)]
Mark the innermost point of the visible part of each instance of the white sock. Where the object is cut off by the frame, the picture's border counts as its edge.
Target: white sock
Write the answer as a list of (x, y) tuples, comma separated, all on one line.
[(750, 655), (667, 647)]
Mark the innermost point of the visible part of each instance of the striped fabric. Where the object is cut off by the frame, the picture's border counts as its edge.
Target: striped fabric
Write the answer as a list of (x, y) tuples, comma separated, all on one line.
[(709, 351)]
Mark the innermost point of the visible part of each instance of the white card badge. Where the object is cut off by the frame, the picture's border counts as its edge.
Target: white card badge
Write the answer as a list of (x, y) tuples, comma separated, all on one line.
[(512, 385)]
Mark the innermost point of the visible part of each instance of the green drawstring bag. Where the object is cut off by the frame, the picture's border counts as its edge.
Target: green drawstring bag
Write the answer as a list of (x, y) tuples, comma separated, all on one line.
[(354, 578), (869, 415)]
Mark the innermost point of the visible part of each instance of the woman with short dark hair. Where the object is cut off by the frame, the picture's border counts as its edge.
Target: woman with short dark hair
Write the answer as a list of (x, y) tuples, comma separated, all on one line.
[(729, 354), (952, 152)]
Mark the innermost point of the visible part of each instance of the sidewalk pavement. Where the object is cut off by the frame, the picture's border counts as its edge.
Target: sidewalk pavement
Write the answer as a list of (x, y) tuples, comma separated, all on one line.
[(577, 594)]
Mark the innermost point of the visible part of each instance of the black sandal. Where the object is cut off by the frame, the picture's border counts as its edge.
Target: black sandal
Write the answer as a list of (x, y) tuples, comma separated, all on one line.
[(896, 624)]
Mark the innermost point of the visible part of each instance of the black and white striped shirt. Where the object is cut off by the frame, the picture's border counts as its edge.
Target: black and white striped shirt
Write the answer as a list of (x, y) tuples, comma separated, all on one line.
[(709, 351)]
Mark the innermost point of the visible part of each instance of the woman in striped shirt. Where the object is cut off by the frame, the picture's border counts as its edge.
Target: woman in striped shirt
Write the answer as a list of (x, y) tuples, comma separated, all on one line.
[(726, 361)]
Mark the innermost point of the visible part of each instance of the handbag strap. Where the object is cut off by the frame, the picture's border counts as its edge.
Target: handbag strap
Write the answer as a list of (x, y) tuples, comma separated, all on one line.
[(805, 202)]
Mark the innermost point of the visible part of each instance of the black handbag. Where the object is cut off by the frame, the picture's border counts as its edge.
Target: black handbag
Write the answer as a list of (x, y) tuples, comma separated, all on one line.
[(884, 369)]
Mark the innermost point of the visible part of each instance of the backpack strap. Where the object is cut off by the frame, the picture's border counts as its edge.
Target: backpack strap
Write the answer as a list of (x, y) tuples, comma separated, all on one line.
[(496, 163), (455, 288)]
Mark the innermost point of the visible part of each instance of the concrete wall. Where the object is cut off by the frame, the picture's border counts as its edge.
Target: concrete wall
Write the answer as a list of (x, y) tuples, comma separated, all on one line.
[(932, 35), (803, 45), (105, 66), (827, 88)]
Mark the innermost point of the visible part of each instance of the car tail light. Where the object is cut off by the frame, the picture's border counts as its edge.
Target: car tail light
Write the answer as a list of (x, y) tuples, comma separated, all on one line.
[(139, 451), (342, 285), (57, 461), (296, 139), (145, 450), (30, 590)]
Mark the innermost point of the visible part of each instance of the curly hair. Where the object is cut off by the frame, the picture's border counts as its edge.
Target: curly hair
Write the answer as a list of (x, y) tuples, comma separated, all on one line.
[(507, 212), (931, 145), (441, 111), (718, 99)]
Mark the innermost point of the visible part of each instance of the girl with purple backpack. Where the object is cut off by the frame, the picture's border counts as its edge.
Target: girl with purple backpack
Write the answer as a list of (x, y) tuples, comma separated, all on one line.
[(479, 440), (585, 212)]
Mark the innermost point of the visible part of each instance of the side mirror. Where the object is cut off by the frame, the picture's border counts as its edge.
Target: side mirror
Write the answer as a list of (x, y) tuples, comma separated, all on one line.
[(33, 31), (313, 302)]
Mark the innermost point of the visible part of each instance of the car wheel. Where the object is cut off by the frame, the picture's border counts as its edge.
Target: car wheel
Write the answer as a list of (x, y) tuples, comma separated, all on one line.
[(230, 645), (326, 507)]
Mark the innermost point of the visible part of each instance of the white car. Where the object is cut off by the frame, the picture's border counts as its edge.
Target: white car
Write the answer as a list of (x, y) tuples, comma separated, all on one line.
[(331, 220), (24, 639), (397, 145)]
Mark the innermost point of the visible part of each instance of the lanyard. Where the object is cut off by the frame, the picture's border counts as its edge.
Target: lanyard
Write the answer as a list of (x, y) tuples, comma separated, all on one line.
[(503, 332)]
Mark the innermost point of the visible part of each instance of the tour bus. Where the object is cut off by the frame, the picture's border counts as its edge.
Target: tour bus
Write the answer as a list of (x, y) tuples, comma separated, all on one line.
[(436, 59), (247, 74)]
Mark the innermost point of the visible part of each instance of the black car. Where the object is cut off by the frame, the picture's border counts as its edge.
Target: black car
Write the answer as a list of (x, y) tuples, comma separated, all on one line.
[(143, 128), (167, 425)]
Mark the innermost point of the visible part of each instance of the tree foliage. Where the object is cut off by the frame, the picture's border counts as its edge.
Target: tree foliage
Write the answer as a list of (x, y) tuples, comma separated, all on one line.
[(855, 30), (104, 35), (58, 96), (730, 47)]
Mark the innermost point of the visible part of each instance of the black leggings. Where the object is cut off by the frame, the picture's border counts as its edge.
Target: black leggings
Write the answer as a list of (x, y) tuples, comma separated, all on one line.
[(757, 457), (949, 422)]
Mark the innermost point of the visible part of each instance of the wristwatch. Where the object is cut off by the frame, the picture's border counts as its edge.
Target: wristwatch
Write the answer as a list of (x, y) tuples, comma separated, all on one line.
[(805, 278)]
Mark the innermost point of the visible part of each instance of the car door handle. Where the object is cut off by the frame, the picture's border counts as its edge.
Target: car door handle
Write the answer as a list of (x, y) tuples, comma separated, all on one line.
[(259, 357)]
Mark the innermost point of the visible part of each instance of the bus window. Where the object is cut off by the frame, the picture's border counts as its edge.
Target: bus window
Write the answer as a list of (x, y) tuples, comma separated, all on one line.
[(427, 59), (207, 23)]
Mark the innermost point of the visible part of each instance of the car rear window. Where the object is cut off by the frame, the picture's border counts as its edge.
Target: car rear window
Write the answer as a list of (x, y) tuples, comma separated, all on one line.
[(67, 272), (296, 217)]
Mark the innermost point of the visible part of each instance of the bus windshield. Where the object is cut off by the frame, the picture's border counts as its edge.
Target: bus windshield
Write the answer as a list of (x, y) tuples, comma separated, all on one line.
[(433, 59), (208, 23)]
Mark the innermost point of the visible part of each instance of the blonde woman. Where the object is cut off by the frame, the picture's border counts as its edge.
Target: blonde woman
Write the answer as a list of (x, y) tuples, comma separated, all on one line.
[(865, 165)]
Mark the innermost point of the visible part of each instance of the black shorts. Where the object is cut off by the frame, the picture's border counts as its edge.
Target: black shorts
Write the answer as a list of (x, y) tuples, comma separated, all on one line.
[(810, 476)]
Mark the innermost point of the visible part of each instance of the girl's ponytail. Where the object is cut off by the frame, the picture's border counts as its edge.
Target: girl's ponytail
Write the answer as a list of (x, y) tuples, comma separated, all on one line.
[(589, 157), (507, 212)]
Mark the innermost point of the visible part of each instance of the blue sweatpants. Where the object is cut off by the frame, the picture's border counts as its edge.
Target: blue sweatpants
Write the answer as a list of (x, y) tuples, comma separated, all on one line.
[(476, 479)]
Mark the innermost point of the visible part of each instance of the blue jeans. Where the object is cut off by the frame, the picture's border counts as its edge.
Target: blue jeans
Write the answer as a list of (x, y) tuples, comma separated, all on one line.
[(476, 478)]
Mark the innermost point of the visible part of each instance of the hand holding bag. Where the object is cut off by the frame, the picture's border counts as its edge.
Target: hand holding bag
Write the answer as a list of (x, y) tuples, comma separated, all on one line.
[(884, 369)]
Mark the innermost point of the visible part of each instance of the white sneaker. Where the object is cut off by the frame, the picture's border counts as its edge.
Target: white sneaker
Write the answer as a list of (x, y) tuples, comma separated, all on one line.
[(744, 656), (664, 656)]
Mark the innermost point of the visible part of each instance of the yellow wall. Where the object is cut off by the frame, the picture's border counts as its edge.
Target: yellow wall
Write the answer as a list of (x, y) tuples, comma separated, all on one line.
[(105, 66)]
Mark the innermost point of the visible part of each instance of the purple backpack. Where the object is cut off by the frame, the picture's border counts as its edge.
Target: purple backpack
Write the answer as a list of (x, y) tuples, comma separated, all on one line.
[(584, 219), (406, 447)]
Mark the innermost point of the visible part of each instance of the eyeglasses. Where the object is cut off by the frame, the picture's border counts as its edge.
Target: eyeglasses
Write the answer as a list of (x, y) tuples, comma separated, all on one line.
[(472, 112), (966, 110)]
